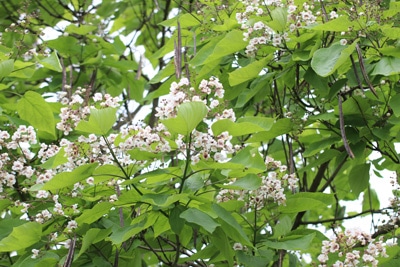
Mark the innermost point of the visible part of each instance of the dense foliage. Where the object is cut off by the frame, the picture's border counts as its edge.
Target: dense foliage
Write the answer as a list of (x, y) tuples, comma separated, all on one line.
[(197, 132)]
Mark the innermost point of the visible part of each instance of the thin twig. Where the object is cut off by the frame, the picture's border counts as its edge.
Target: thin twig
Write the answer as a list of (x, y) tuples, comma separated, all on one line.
[(343, 218)]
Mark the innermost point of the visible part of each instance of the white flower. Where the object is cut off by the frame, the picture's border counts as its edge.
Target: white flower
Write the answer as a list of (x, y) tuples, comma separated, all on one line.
[(333, 15), (42, 194), (292, 8), (214, 103), (343, 41), (72, 225), (97, 97), (237, 246), (35, 253), (258, 25), (113, 198), (90, 180)]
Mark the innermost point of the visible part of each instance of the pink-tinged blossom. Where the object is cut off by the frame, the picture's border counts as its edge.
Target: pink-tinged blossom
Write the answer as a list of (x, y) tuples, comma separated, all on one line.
[(97, 97), (17, 165), (227, 114), (343, 246), (42, 194), (72, 225), (90, 181), (258, 26)]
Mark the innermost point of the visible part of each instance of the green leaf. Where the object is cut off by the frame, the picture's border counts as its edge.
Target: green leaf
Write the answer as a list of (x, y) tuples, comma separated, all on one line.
[(205, 52), (82, 29), (4, 203), (387, 66), (295, 242), (7, 225), (370, 200), (221, 241), (250, 181), (121, 234), (283, 227), (65, 45), (6, 67), (340, 24), (261, 260), (390, 31), (394, 103), (326, 61), (318, 82), (21, 237), (359, 178), (229, 24), (318, 146), (91, 215), (175, 220), (185, 20), (248, 72), (230, 226), (66, 179), (24, 70), (100, 121), (200, 218), (162, 200), (390, 51), (194, 182), (51, 62), (322, 158), (156, 176), (239, 128), (93, 236), (107, 172), (55, 160), (279, 19), (161, 226), (250, 158), (231, 43), (190, 114), (280, 127), (304, 201), (47, 258), (35, 110)]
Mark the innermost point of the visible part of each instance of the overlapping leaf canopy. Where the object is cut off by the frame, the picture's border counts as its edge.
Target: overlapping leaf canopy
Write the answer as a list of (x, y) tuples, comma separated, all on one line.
[(312, 99)]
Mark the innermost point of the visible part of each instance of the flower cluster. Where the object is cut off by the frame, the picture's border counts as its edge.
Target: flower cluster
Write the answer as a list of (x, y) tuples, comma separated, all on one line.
[(209, 91), (258, 32), (204, 144), (272, 187), (77, 108), (74, 112), (15, 161), (343, 246)]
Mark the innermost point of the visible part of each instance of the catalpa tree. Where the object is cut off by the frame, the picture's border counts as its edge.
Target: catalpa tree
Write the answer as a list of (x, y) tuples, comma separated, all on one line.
[(198, 133)]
